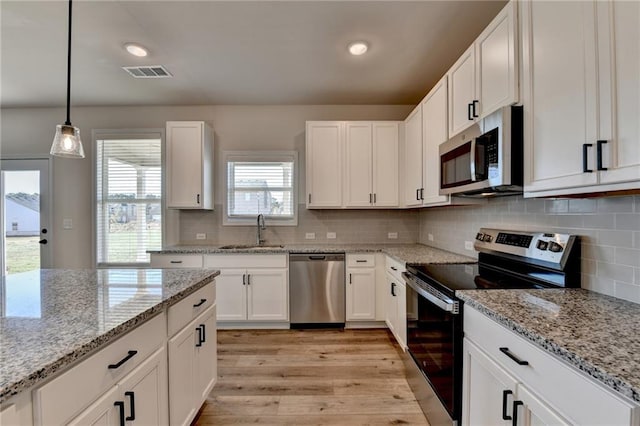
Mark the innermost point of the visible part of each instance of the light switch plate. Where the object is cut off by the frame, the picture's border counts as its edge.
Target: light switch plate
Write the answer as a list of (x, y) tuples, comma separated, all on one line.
[(67, 224), (331, 235), (468, 245), (392, 235), (201, 236), (310, 236)]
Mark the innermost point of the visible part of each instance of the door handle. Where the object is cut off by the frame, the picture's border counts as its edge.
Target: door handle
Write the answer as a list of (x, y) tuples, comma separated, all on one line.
[(120, 405), (43, 241), (350, 279), (508, 353), (469, 113), (516, 404), (505, 393), (130, 355), (585, 158), (200, 303), (199, 330), (198, 198), (393, 287), (474, 103), (132, 405), (599, 155)]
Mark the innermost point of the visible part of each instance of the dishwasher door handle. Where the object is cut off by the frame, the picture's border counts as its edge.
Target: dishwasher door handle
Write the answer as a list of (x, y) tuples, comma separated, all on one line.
[(317, 257)]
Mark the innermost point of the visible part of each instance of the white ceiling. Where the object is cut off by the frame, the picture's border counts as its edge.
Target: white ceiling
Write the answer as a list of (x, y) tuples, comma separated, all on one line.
[(234, 52)]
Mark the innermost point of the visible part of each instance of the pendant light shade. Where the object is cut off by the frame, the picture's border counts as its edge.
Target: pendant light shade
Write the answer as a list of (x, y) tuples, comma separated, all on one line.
[(66, 142)]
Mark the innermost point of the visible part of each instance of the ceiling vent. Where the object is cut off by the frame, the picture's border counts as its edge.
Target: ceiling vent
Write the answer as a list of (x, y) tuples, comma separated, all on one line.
[(151, 71)]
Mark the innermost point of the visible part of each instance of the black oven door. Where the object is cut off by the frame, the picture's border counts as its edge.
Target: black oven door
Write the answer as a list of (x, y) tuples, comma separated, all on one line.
[(434, 340)]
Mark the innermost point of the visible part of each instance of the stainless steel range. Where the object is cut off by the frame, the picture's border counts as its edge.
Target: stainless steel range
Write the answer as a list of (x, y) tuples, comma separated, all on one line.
[(507, 259)]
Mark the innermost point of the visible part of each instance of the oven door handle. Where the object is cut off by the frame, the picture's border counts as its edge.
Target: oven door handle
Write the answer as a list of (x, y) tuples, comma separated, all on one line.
[(440, 300), (472, 162)]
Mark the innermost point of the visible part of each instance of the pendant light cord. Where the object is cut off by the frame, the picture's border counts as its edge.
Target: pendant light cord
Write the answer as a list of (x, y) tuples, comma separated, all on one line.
[(68, 122)]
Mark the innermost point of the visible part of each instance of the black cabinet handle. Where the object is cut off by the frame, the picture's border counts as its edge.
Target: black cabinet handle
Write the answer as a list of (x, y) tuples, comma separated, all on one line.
[(599, 155), (393, 287), (505, 393), (199, 330), (394, 268), (516, 404), (418, 194), (204, 333), (176, 261), (422, 194), (43, 241), (248, 279), (585, 158), (469, 112), (361, 260), (244, 279), (130, 355), (350, 279), (513, 357), (132, 405), (309, 198), (370, 198), (200, 303), (317, 257), (475, 102), (120, 405), (375, 198), (198, 198)]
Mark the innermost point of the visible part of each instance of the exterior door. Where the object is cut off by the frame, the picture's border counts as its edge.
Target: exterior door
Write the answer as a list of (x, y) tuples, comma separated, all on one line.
[(26, 234)]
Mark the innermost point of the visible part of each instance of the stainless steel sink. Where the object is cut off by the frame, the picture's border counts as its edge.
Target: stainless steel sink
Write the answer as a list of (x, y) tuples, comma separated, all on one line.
[(249, 247)]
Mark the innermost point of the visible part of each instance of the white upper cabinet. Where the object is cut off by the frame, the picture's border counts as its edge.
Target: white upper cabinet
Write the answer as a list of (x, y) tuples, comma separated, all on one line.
[(484, 78), (358, 171), (412, 159), (189, 164), (386, 139), (324, 146), (581, 95)]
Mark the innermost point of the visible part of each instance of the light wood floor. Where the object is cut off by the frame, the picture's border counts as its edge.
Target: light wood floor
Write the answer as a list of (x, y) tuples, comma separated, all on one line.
[(310, 377)]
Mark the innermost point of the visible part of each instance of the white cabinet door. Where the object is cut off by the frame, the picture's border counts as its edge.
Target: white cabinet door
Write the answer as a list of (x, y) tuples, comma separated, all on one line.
[(385, 164), (392, 304), (560, 93), (231, 295), (267, 295), (103, 412), (488, 390), (324, 146), (412, 159), (144, 391), (496, 65), (533, 412), (400, 291), (434, 125), (182, 376), (461, 79), (206, 359), (358, 170), (361, 294), (621, 153), (189, 159)]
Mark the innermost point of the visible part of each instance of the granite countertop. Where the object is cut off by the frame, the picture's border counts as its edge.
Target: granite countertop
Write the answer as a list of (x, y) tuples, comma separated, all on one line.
[(408, 253), (595, 333), (50, 318)]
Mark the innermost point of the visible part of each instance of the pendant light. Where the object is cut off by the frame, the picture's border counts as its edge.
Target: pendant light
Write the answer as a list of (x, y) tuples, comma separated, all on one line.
[(66, 142)]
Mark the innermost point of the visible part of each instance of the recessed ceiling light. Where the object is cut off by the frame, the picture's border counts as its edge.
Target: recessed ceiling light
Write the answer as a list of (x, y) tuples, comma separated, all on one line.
[(358, 48), (136, 49)]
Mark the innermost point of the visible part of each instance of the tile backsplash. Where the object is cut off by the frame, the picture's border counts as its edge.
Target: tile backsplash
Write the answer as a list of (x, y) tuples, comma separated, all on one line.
[(609, 229)]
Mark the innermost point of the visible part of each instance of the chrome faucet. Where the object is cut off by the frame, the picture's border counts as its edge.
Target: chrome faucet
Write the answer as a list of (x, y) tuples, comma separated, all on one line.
[(261, 227)]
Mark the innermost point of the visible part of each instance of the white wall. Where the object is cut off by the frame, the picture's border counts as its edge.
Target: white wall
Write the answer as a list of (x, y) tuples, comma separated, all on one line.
[(29, 132)]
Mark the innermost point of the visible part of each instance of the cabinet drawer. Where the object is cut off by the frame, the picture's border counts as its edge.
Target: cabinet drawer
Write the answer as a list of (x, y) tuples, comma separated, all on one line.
[(176, 261), (190, 307), (65, 396), (394, 268), (236, 260), (572, 394), (361, 260)]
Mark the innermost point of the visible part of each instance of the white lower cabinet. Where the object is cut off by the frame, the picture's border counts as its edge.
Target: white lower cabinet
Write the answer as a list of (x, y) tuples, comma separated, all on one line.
[(361, 287), (251, 288), (396, 297), (509, 381), (192, 367)]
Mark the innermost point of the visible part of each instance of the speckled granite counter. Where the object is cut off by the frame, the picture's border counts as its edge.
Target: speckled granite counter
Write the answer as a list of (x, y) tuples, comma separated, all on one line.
[(51, 318), (409, 253), (597, 334)]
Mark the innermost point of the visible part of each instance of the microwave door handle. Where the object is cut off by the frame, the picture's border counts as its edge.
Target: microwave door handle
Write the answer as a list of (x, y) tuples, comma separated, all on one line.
[(472, 163)]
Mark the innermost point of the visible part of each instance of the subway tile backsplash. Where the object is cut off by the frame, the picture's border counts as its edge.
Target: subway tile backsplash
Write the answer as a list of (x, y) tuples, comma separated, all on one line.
[(609, 228)]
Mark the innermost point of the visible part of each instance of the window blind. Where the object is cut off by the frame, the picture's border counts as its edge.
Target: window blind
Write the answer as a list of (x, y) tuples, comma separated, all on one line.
[(128, 200)]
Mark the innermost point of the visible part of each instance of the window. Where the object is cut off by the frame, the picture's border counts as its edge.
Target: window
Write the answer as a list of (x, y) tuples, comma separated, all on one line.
[(128, 197), (261, 183)]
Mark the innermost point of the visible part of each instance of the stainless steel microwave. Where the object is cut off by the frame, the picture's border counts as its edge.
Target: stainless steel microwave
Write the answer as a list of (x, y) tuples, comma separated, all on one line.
[(486, 159)]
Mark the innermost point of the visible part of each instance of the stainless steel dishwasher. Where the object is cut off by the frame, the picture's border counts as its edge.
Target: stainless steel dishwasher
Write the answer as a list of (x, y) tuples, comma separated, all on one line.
[(316, 290)]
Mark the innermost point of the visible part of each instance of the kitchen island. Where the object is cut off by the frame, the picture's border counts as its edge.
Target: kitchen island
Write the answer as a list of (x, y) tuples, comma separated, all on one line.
[(53, 320)]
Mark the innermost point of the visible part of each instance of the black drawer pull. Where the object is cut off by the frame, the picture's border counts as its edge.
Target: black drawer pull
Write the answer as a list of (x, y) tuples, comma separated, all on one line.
[(516, 404), (505, 393), (130, 355), (513, 357), (200, 303), (599, 155), (317, 257), (120, 405), (360, 261), (176, 261), (132, 404), (394, 268), (585, 158)]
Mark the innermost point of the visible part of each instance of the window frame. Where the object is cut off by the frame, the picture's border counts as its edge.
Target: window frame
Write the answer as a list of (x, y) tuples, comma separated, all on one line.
[(260, 156), (122, 134)]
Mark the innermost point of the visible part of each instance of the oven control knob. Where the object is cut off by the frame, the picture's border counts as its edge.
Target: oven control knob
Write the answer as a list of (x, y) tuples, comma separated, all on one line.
[(487, 238), (555, 247), (542, 245), (479, 236)]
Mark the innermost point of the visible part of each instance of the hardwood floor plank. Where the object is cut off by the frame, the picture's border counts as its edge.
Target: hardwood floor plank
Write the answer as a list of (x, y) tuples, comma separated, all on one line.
[(347, 404), (372, 387), (318, 360), (324, 420), (275, 387)]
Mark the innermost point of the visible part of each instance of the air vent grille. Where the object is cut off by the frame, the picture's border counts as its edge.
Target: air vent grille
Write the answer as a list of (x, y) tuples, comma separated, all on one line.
[(151, 71)]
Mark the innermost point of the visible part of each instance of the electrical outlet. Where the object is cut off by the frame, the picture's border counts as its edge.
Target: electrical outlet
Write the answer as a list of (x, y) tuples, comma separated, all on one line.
[(67, 224), (310, 236), (201, 236), (331, 235), (468, 245), (430, 237), (392, 235)]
